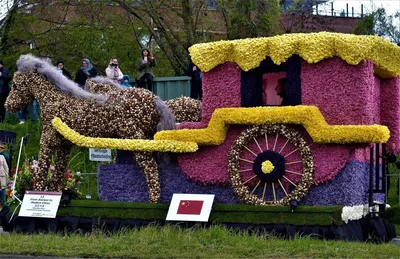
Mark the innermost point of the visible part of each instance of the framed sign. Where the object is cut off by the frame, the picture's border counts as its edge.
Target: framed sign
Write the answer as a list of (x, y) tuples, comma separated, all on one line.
[(190, 207), (100, 154), (40, 204)]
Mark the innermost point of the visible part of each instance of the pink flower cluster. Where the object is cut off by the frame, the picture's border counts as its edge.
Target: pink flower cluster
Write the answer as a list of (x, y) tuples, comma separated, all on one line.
[(221, 88), (390, 111)]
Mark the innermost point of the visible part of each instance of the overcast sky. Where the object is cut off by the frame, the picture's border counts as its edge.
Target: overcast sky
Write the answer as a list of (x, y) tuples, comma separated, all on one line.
[(4, 5)]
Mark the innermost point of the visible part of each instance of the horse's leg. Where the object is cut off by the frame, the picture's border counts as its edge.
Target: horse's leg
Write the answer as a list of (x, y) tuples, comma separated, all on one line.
[(150, 169), (47, 145), (62, 155)]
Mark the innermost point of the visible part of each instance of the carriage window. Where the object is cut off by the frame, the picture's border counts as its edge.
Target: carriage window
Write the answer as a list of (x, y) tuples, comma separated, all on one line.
[(271, 84)]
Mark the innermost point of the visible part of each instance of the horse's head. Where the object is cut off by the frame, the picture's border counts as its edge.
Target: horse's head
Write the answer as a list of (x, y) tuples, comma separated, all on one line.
[(20, 94)]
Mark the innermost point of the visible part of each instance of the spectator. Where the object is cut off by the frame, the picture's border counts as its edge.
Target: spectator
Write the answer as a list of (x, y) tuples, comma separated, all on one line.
[(194, 72), (3, 177), (125, 81), (62, 70), (5, 78), (113, 72), (146, 62), (5, 154), (86, 71)]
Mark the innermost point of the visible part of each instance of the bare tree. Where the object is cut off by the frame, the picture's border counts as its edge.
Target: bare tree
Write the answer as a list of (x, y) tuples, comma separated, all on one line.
[(174, 25), (250, 18), (171, 26)]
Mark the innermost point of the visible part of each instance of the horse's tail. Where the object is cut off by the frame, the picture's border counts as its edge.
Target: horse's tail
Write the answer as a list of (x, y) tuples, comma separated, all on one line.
[(167, 119)]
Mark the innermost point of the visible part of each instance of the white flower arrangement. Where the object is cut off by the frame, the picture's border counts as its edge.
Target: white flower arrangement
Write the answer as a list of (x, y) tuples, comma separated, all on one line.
[(354, 212)]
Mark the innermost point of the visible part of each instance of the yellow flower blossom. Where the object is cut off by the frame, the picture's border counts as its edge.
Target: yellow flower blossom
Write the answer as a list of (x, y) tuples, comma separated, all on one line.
[(308, 116), (267, 167), (312, 47), (123, 144)]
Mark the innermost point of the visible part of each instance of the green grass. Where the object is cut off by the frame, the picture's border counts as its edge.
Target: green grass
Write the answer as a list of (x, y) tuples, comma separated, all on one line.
[(171, 241), (393, 196)]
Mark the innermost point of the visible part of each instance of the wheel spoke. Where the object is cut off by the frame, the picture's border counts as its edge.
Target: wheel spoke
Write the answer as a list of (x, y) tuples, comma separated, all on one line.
[(280, 151), (245, 160), (292, 172), (266, 141), (251, 178), (276, 139), (257, 144), (273, 191), (287, 179), (295, 162), (265, 187), (248, 149), (291, 152), (255, 187), (245, 170), (280, 183)]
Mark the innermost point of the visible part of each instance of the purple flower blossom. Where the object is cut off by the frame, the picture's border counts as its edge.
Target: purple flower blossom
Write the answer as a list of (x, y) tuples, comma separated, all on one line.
[(127, 183)]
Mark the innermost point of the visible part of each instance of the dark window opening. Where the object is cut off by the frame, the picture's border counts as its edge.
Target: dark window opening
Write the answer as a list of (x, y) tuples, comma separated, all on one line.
[(265, 85)]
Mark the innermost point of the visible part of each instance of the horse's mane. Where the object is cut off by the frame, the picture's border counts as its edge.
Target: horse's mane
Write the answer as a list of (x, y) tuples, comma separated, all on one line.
[(29, 62)]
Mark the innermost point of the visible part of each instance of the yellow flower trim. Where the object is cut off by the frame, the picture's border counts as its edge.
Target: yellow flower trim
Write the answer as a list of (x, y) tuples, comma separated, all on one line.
[(308, 116), (267, 167), (312, 47), (123, 144)]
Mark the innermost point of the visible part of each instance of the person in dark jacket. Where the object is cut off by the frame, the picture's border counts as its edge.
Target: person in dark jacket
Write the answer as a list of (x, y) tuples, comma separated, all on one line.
[(146, 62), (5, 78), (194, 72), (62, 70), (86, 71)]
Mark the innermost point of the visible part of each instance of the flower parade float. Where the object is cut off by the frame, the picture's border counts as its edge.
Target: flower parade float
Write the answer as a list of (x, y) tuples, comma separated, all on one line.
[(269, 166)]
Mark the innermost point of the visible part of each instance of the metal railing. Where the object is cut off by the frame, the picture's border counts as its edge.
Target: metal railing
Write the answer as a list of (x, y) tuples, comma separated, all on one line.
[(328, 9), (377, 179), (169, 87)]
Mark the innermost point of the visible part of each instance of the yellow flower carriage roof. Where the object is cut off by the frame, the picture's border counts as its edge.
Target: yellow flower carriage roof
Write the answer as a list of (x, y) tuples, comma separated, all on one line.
[(312, 47)]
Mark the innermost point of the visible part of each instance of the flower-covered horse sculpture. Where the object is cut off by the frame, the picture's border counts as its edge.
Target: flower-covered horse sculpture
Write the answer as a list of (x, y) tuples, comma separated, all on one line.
[(132, 114), (184, 109)]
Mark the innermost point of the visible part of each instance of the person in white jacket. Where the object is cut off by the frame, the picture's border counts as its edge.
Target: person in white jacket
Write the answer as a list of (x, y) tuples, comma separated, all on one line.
[(113, 72), (3, 177)]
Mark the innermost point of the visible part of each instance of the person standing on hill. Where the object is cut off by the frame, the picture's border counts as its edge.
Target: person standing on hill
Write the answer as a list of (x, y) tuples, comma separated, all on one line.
[(196, 76), (146, 62), (3, 177), (86, 71), (5, 78), (61, 69), (113, 71)]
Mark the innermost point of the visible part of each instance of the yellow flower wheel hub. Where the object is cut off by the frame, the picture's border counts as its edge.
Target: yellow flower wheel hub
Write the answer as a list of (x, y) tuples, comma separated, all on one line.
[(267, 167)]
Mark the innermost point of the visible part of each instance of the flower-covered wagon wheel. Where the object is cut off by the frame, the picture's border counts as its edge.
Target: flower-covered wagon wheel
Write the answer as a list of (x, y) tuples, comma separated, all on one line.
[(270, 165)]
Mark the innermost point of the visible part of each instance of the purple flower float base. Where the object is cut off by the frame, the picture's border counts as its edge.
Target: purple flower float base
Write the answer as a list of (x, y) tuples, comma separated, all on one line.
[(122, 182), (349, 188)]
